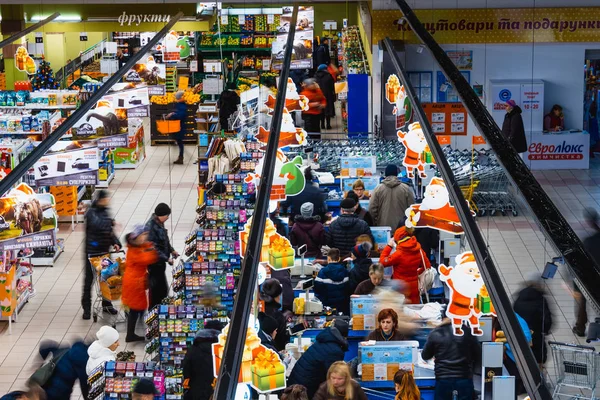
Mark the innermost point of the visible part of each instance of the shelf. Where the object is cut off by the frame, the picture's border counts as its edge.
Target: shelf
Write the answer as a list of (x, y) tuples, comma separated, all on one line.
[(238, 49), (45, 261), (104, 184), (21, 133), (32, 106)]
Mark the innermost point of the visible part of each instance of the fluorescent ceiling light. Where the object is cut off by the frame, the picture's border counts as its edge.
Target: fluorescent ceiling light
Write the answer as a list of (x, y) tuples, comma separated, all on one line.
[(60, 18)]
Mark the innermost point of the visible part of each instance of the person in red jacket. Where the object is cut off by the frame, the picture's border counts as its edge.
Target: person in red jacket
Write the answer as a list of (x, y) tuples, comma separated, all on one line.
[(140, 254), (316, 105), (408, 261)]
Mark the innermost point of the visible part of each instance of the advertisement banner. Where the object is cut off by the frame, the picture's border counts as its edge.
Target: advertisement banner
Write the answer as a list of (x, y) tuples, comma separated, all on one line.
[(65, 164), (358, 166), (558, 151), (23, 212), (447, 118), (504, 25), (147, 71), (303, 39), (30, 241), (463, 59), (112, 142)]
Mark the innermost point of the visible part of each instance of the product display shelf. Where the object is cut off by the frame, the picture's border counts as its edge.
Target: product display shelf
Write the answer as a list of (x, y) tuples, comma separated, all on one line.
[(106, 168), (207, 121), (46, 257), (120, 377), (17, 288), (354, 55)]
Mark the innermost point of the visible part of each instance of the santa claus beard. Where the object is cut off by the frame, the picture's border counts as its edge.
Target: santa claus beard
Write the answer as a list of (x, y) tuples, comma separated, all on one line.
[(434, 200), (466, 284)]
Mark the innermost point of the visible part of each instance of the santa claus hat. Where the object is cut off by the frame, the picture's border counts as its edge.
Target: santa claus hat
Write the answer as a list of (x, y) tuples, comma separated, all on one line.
[(465, 258), (437, 181), (414, 125)]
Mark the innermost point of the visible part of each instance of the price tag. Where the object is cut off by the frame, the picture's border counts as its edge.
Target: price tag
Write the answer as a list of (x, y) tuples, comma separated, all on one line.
[(241, 19), (270, 19), (129, 374), (149, 374), (266, 65), (194, 66), (224, 19)]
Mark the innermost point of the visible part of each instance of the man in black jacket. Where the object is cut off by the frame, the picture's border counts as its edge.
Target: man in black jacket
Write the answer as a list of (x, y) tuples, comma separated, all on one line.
[(198, 363), (344, 230), (159, 236), (99, 237), (455, 358)]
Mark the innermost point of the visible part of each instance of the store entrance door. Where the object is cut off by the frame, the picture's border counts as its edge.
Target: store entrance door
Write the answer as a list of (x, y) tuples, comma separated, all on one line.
[(55, 50)]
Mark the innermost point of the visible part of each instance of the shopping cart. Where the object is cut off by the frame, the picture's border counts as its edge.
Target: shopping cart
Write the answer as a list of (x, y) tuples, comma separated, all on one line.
[(468, 191), (108, 272), (577, 368)]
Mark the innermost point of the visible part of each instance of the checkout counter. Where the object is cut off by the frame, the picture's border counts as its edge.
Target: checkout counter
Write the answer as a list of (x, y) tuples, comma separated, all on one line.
[(558, 150)]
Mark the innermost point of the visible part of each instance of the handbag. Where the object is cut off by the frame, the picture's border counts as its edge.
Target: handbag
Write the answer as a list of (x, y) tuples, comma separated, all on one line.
[(426, 278), (43, 374)]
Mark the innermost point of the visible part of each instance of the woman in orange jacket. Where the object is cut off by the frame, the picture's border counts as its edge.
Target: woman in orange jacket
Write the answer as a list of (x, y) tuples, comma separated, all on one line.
[(408, 261), (140, 254), (316, 105)]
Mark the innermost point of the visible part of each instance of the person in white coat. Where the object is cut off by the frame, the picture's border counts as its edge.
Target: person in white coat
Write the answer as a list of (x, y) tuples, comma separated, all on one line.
[(103, 349)]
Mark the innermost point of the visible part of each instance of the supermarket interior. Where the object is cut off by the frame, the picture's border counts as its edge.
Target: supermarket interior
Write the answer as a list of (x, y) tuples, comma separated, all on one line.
[(425, 173)]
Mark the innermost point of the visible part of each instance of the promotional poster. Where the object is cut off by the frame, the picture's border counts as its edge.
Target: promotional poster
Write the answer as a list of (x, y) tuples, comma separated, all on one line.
[(303, 39), (23, 212), (68, 164)]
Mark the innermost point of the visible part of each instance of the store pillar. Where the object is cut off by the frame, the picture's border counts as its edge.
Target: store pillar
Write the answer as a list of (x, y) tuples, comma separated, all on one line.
[(13, 21)]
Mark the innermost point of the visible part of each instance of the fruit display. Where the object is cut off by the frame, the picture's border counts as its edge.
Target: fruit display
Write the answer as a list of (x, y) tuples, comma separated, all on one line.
[(354, 56), (250, 23), (189, 96)]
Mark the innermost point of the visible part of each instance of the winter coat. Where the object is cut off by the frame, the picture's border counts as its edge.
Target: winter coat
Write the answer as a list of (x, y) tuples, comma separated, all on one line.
[(310, 193), (359, 272), (428, 238), (198, 365), (267, 340), (228, 102), (98, 355), (327, 85), (314, 96), (389, 201), (365, 287), (135, 277), (365, 215), (287, 296), (343, 232), (532, 306), (180, 114), (308, 231), (551, 122), (332, 287), (159, 236), (377, 335), (323, 393), (322, 56), (273, 310), (455, 356), (408, 261), (311, 369), (99, 235), (514, 130), (70, 368)]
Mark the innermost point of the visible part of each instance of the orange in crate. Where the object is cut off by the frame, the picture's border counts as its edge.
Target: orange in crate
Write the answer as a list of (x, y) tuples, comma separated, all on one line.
[(167, 127)]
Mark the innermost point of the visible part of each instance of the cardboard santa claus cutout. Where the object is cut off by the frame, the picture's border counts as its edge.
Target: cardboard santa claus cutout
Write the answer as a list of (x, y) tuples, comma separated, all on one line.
[(416, 147), (469, 299), (435, 210)]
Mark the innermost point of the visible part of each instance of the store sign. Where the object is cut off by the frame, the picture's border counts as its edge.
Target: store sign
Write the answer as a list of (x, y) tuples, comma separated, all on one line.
[(31, 241), (563, 151), (137, 19), (518, 25), (61, 166)]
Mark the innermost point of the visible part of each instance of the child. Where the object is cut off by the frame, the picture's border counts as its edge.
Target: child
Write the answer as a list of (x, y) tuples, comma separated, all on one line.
[(103, 349), (362, 262), (332, 283), (140, 255)]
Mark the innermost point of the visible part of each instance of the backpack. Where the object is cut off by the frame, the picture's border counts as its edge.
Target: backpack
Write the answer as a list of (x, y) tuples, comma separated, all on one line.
[(43, 374)]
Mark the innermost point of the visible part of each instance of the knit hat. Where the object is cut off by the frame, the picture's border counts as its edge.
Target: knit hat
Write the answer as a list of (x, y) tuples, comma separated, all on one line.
[(307, 209), (270, 289), (179, 95), (341, 326), (391, 170), (145, 386), (347, 204), (511, 103), (322, 67), (267, 323), (361, 250), (107, 336), (102, 194), (401, 233), (162, 210)]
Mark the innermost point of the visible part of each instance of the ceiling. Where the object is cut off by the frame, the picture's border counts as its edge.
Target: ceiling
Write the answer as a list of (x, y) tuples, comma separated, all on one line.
[(444, 4)]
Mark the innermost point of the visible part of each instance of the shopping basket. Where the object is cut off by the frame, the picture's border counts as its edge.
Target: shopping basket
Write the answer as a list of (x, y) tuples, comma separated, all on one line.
[(108, 271), (168, 127), (576, 368)]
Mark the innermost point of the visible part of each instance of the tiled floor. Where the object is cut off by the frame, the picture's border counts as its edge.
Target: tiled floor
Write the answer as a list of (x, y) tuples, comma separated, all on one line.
[(516, 243)]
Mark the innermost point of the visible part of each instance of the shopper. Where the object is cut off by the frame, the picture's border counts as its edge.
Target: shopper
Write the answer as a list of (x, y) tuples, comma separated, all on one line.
[(375, 279), (310, 194), (316, 105), (511, 363), (332, 283), (554, 121), (180, 114), (270, 294), (281, 227), (69, 368), (592, 246), (513, 128), (340, 385), (455, 358), (361, 264), (294, 392), (322, 56), (390, 199), (159, 236), (405, 386), (428, 238), (330, 346), (532, 306), (227, 104), (103, 349), (268, 331), (344, 230), (308, 230), (99, 238), (34, 392), (198, 363), (140, 256), (327, 85), (408, 261), (358, 187), (387, 319), (359, 210), (144, 389)]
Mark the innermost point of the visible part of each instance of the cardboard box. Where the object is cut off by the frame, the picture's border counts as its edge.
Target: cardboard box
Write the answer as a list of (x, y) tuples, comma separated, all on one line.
[(363, 312), (381, 361)]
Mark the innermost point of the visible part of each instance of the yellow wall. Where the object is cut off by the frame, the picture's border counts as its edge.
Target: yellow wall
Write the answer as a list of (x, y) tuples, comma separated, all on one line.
[(365, 41)]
